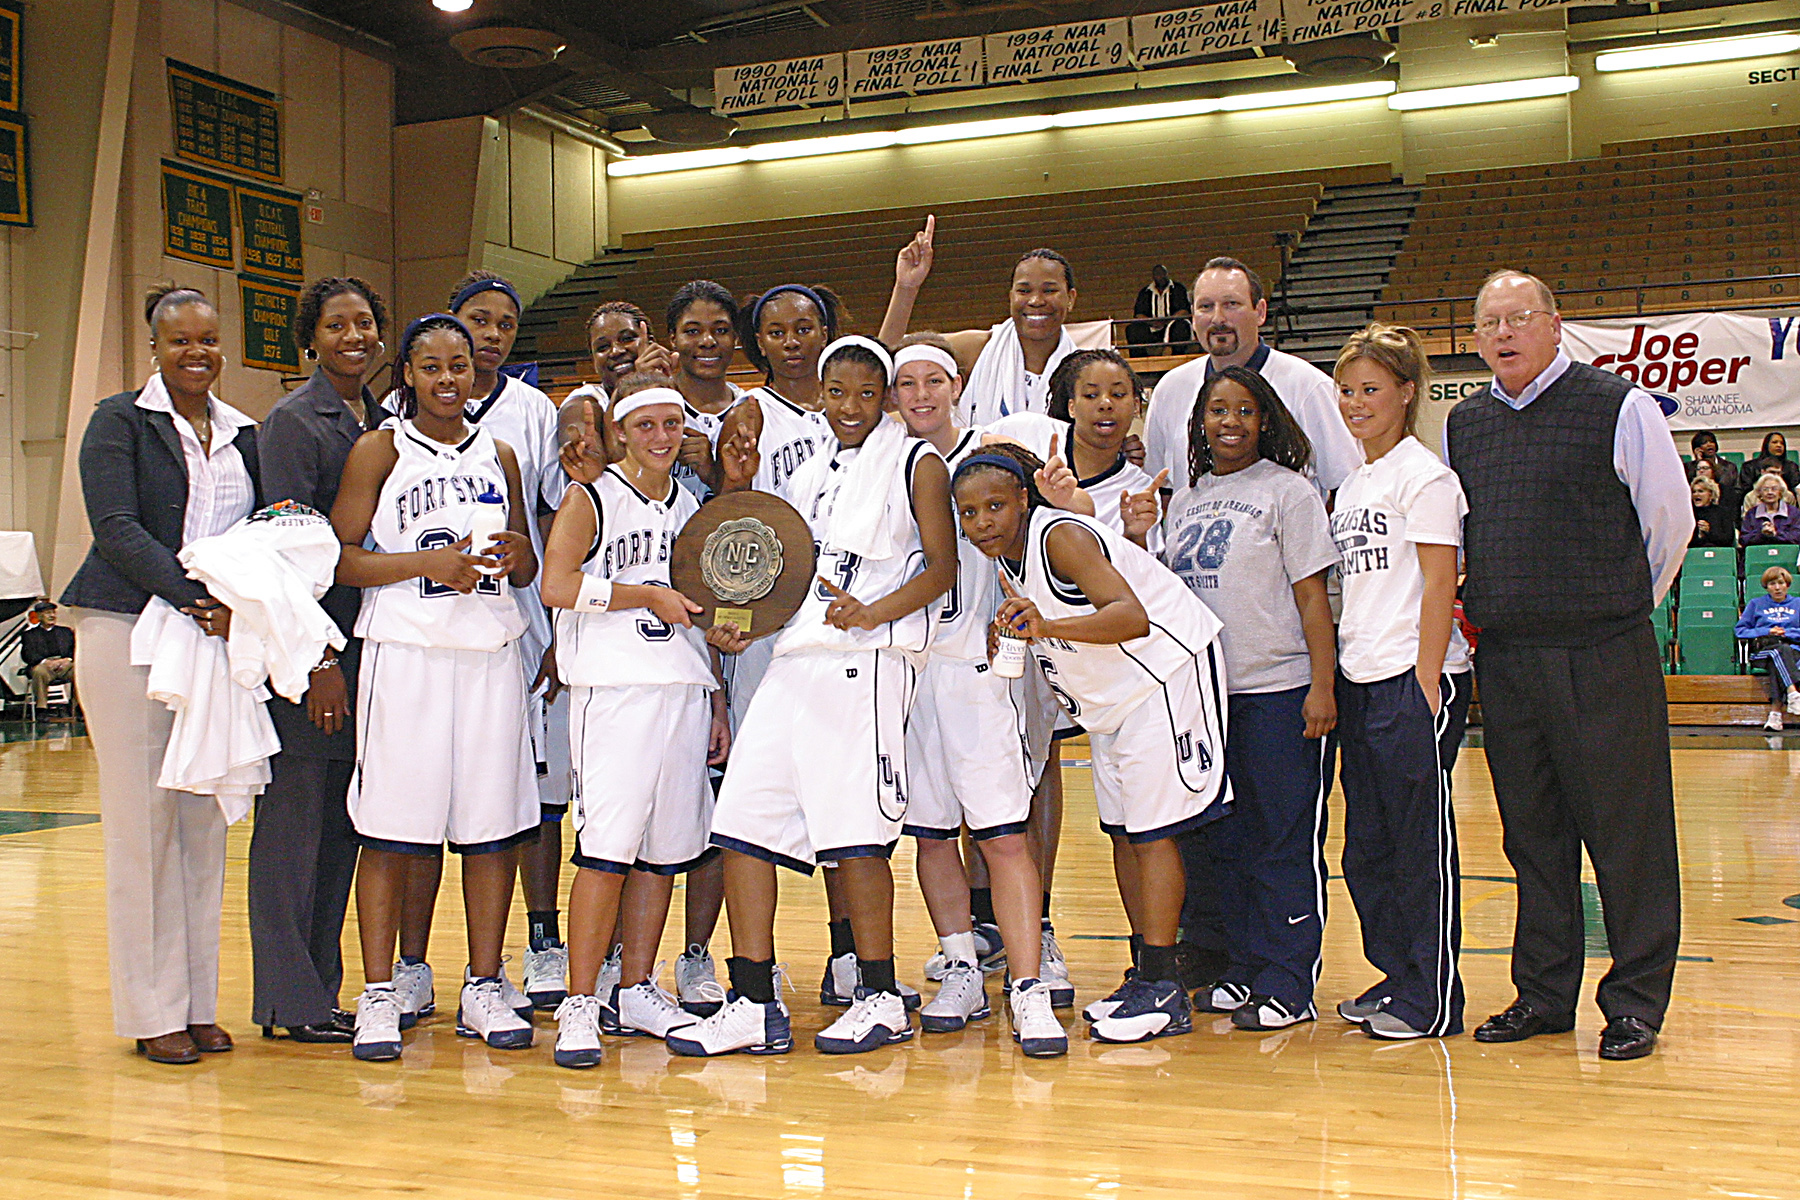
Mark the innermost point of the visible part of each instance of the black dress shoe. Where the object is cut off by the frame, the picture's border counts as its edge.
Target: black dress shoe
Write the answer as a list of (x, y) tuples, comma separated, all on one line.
[(1625, 1038), (1518, 1022), (340, 1030)]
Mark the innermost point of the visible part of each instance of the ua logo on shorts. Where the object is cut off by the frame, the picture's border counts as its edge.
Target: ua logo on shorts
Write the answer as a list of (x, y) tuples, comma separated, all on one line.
[(1186, 747)]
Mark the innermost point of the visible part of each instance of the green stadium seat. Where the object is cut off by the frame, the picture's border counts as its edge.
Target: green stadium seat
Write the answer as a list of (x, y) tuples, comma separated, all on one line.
[(1703, 589), (1758, 559), (1706, 639), (1736, 456), (1714, 562)]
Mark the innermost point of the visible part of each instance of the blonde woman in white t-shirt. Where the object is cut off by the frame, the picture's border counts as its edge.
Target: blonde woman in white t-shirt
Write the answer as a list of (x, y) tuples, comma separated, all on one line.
[(1402, 692)]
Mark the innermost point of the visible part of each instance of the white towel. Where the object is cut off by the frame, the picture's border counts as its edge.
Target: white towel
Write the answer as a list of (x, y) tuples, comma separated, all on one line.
[(996, 385), (858, 520)]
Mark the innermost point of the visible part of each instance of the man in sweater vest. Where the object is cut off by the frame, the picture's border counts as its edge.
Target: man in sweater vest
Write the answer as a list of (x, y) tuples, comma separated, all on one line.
[(1578, 519)]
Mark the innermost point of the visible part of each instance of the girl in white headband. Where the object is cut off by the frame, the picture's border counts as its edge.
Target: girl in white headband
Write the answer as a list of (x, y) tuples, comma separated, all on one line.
[(641, 676)]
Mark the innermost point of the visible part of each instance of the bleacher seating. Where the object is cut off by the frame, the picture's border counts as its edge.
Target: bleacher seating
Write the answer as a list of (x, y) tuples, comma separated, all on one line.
[(1652, 226), (1112, 236)]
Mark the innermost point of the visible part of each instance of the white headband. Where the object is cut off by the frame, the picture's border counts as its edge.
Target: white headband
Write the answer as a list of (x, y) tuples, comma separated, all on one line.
[(856, 339), (924, 352), (657, 395)]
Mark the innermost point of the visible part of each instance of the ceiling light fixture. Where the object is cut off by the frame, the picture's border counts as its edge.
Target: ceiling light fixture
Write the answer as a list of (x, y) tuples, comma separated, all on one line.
[(452, 5), (924, 135), (1680, 54), (1484, 93)]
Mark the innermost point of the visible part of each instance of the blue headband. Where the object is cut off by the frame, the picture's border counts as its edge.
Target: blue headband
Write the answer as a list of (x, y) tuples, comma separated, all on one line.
[(485, 285), (799, 289), (1004, 461), (417, 326)]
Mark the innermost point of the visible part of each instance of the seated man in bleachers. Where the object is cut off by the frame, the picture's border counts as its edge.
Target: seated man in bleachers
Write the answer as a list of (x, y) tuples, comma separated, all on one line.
[(48, 650), (1771, 625), (1162, 310), (1771, 515)]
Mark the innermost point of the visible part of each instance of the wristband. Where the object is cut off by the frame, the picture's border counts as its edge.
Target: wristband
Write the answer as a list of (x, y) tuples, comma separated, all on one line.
[(595, 594)]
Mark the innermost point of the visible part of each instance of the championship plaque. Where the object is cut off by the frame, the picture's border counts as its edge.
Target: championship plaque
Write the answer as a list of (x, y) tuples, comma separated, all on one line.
[(746, 558)]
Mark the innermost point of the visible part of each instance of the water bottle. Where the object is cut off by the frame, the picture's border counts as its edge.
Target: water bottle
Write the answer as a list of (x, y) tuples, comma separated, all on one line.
[(488, 520), (1009, 656)]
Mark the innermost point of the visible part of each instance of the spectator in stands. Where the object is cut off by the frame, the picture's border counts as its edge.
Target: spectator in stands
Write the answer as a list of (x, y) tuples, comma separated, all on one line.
[(1724, 472), (48, 650), (1712, 520), (1772, 516), (1771, 625), (1162, 308), (1774, 456), (1573, 708)]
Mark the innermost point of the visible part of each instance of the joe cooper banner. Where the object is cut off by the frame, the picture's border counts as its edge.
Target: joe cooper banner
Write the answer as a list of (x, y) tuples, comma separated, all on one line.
[(1707, 370)]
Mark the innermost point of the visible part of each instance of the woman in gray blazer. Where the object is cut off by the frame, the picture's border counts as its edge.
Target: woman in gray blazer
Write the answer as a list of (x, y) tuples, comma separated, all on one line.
[(160, 467), (303, 851)]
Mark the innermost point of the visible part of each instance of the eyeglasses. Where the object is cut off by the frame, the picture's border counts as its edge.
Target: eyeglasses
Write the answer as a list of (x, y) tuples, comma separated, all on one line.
[(1518, 320)]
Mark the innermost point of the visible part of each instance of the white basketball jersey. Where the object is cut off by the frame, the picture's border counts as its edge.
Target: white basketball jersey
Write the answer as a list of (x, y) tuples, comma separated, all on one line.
[(969, 607), (1099, 685), (709, 424), (790, 436), (426, 503), (866, 579), (633, 539)]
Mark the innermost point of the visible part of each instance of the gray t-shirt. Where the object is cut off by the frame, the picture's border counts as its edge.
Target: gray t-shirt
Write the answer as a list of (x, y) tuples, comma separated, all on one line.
[(1240, 541)]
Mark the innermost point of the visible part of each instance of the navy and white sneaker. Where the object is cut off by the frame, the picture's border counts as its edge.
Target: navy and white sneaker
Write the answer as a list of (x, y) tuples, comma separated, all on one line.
[(644, 1010), (742, 1026), (578, 1033), (1149, 1009), (1359, 1010), (1053, 971), (485, 1013), (960, 999), (547, 976), (876, 1019), (1035, 1027), (1221, 998), (697, 986), (1102, 1008), (1266, 1013), (843, 976), (416, 992), (378, 1018)]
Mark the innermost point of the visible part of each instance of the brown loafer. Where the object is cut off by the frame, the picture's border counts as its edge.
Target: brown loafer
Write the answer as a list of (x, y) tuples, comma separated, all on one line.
[(209, 1039), (174, 1048)]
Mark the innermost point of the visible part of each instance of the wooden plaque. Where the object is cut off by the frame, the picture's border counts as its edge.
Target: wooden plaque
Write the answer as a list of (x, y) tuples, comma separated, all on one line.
[(744, 557)]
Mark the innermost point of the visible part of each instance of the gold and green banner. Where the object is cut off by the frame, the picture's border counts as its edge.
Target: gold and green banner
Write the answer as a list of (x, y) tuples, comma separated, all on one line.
[(197, 216), (15, 171), (222, 123), (269, 325), (270, 219), (12, 21)]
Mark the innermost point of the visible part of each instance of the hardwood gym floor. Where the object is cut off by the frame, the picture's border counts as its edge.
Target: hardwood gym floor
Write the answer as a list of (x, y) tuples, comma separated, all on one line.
[(1319, 1110)]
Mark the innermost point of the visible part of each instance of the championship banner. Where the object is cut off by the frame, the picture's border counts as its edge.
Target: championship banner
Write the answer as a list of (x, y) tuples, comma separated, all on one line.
[(270, 220), (197, 216), (1707, 370), (15, 171), (1311, 20), (790, 83), (1058, 51), (1187, 33), (269, 325), (220, 122), (12, 17), (913, 69)]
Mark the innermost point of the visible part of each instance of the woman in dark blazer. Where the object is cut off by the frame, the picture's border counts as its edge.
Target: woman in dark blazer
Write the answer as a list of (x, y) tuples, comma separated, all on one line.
[(303, 851), (160, 467)]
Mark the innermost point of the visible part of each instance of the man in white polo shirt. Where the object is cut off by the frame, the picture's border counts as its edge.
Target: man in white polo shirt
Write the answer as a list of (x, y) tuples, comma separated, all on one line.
[(1229, 311)]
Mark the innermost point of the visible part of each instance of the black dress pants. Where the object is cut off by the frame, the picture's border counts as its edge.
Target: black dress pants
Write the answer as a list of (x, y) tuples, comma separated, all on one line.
[(1577, 742)]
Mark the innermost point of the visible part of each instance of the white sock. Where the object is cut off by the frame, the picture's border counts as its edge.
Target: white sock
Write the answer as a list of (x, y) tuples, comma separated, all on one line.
[(959, 947), (380, 987)]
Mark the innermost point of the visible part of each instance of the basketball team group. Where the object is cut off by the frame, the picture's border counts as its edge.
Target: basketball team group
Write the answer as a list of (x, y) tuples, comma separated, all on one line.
[(1240, 589)]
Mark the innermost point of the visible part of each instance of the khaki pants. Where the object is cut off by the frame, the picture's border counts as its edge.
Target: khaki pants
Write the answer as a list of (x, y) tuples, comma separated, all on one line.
[(47, 672), (165, 851)]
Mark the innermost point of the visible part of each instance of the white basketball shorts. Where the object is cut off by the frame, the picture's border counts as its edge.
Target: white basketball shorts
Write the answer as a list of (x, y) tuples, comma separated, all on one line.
[(442, 754), (1162, 772), (966, 753), (818, 772), (549, 727), (641, 796)]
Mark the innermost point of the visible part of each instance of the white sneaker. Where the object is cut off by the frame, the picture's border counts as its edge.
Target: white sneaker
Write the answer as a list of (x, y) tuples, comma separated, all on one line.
[(697, 986), (377, 1026), (516, 1000), (608, 981), (1053, 970), (876, 1019), (1263, 1014), (416, 991), (960, 999), (1035, 1027), (547, 976), (990, 953), (843, 976), (1221, 998), (1793, 701), (1104, 1007), (645, 1010), (1773, 723), (578, 1033), (742, 1025), (484, 1013)]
